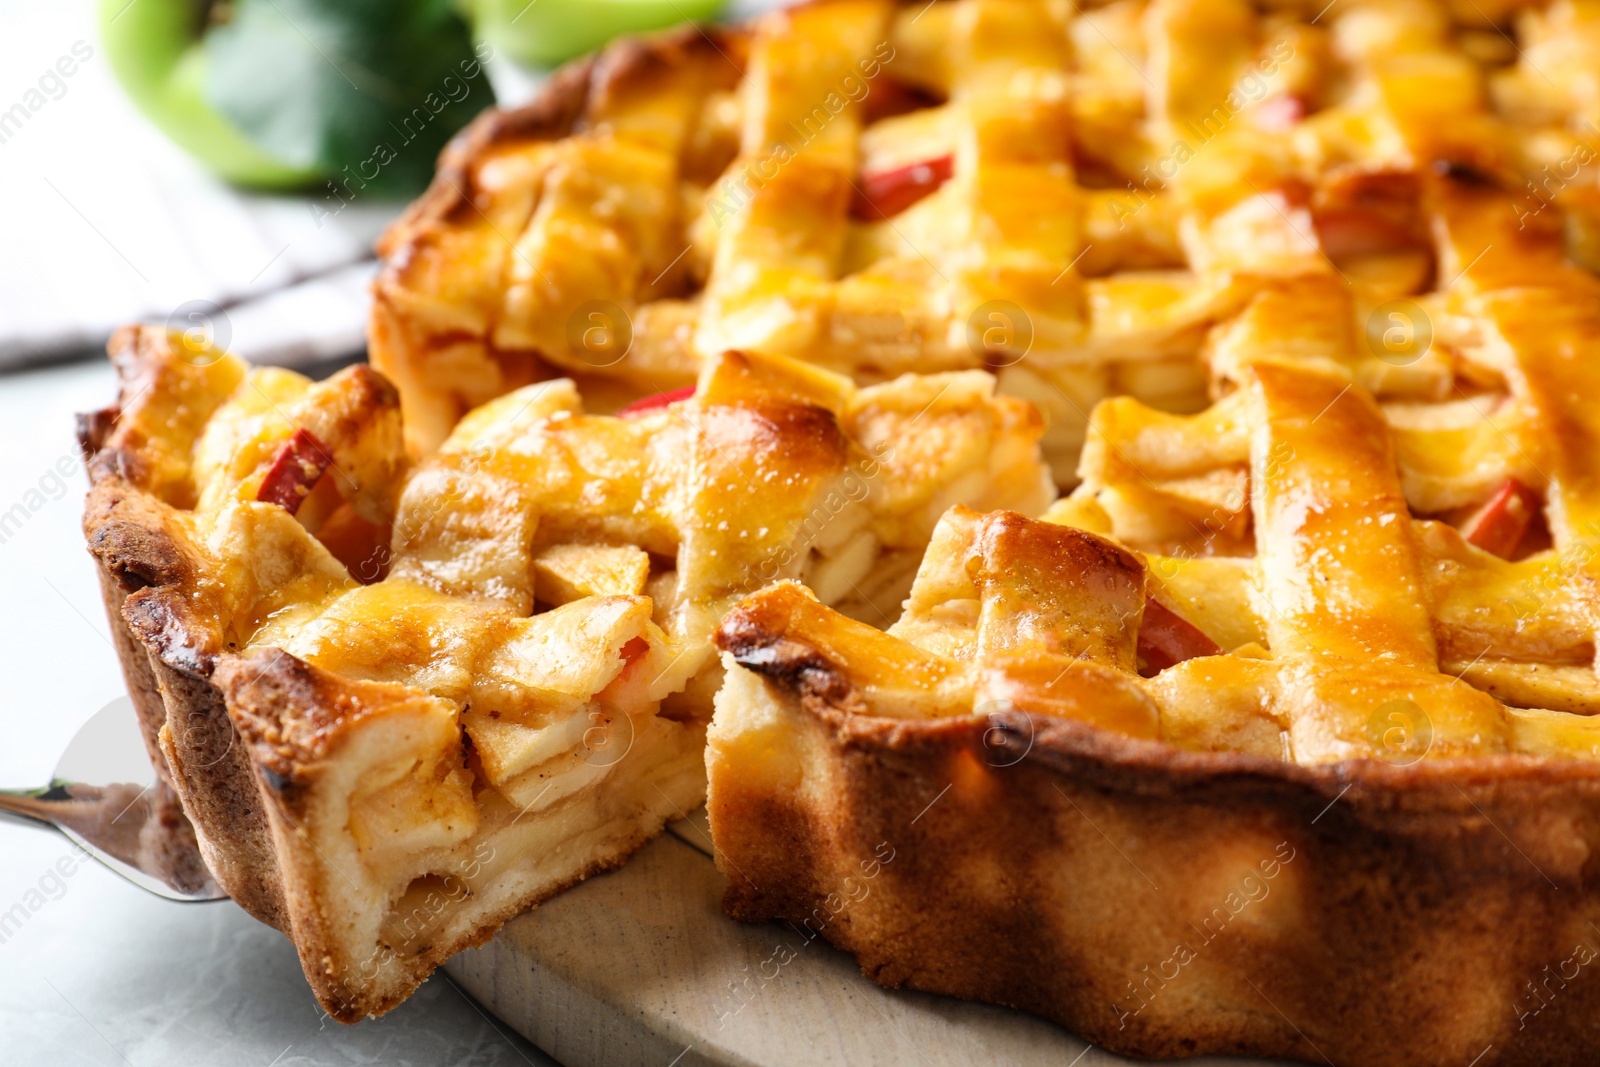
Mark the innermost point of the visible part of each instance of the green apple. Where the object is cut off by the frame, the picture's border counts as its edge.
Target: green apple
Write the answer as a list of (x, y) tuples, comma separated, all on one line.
[(285, 93), (545, 32), (156, 48)]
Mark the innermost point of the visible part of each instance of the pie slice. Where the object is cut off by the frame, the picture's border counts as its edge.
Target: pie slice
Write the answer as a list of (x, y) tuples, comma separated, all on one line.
[(402, 702)]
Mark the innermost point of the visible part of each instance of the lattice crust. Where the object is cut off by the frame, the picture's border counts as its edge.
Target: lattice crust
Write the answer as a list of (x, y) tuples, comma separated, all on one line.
[(1098, 201), (451, 689), (1312, 533), (1298, 525), (1350, 610), (772, 469)]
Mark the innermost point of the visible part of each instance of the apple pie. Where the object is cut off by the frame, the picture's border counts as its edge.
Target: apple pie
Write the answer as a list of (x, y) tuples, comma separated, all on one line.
[(402, 701), (1278, 735), (1275, 736)]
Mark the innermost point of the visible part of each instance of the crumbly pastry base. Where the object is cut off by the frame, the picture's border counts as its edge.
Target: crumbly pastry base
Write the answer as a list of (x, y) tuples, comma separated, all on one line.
[(250, 833), (1164, 903)]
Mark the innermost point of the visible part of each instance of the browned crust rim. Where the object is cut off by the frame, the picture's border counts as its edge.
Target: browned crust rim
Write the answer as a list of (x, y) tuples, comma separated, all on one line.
[(791, 861), (1435, 904), (1115, 761), (557, 111)]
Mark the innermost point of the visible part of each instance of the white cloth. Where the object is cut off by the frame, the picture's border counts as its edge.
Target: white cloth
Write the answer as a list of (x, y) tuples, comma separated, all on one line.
[(108, 223)]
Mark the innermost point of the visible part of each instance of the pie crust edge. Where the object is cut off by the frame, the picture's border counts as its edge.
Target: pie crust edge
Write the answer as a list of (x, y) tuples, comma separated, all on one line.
[(1414, 914)]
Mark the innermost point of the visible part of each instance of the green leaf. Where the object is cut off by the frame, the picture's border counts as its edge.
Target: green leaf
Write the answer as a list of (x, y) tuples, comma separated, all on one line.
[(365, 92)]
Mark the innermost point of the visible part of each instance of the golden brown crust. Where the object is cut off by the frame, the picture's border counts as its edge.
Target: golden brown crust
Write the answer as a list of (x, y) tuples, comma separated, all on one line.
[(212, 773), (287, 713), (144, 556), (751, 639), (165, 632), (549, 115), (638, 64), (1160, 897), (182, 716), (443, 340), (629, 65), (166, 392), (163, 624), (291, 713), (1100, 881)]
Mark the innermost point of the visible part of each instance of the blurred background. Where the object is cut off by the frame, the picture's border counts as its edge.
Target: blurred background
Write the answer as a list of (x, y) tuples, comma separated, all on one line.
[(227, 164), (223, 167)]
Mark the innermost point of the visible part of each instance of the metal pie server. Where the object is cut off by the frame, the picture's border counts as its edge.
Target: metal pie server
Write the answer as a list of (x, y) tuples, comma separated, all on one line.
[(134, 826)]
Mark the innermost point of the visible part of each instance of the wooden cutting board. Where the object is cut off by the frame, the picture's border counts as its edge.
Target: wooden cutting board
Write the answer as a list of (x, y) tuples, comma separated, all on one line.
[(641, 967)]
